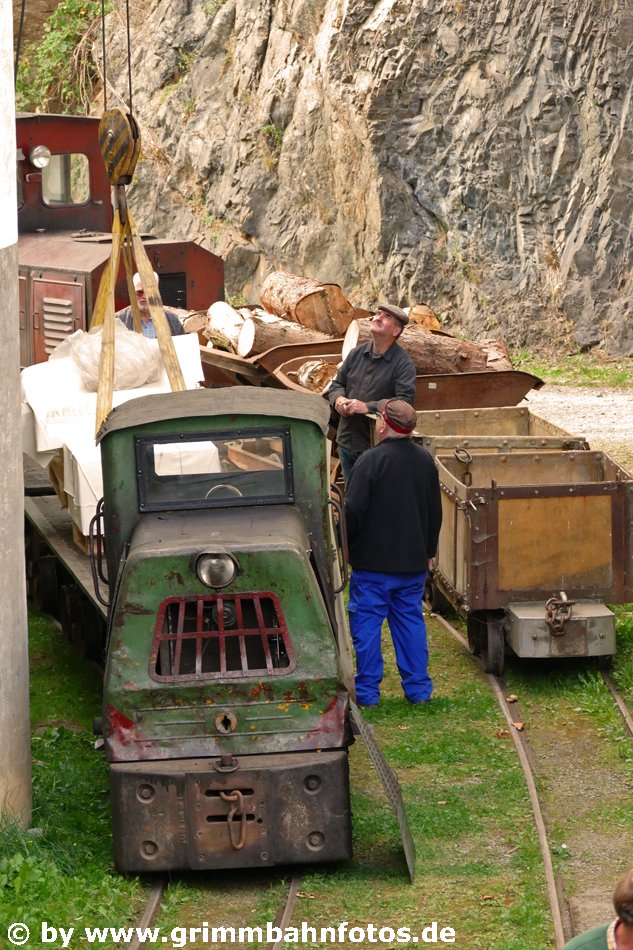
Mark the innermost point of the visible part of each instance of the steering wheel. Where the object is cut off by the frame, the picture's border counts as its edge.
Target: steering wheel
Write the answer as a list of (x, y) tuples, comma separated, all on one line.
[(231, 489)]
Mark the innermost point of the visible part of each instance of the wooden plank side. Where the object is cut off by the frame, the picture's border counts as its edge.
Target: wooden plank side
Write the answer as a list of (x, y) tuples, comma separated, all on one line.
[(555, 543)]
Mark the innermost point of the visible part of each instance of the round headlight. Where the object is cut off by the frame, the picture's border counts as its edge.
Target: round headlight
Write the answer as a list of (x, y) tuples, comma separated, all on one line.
[(216, 570), (40, 156)]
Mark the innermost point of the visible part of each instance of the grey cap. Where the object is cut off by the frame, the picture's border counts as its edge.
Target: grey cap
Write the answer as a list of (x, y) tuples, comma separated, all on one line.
[(394, 312)]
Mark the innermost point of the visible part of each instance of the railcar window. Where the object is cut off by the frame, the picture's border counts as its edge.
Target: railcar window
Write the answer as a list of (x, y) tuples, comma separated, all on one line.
[(66, 180), (221, 637), (229, 469)]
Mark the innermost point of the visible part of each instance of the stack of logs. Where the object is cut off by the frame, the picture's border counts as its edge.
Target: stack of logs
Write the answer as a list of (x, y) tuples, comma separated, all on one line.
[(299, 310)]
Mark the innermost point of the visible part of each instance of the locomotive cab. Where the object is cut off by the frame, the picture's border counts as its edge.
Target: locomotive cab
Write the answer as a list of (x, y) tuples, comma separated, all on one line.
[(64, 237), (226, 717)]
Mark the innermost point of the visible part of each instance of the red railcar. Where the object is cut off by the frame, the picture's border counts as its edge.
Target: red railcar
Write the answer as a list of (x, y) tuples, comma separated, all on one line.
[(64, 222)]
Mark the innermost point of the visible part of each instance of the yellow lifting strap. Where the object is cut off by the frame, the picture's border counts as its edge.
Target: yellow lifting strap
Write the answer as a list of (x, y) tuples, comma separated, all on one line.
[(120, 143)]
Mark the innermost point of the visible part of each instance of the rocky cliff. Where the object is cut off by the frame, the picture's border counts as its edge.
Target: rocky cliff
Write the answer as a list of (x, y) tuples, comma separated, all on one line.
[(471, 154)]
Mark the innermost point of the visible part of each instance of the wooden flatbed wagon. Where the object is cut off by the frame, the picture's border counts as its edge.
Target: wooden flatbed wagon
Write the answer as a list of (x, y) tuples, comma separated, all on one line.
[(536, 538)]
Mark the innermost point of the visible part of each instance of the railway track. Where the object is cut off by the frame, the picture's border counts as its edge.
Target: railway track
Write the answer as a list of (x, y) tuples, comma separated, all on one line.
[(559, 887), (208, 918)]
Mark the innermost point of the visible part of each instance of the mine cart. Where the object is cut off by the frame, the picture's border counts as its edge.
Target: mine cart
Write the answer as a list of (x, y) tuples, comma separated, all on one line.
[(532, 548), (505, 429)]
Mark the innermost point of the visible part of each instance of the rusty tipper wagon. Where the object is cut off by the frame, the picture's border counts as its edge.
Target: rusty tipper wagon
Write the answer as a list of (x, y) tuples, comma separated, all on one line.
[(226, 720), (535, 542)]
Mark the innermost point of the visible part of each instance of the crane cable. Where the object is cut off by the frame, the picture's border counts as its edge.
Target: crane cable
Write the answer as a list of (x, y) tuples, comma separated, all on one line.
[(18, 46), (129, 54)]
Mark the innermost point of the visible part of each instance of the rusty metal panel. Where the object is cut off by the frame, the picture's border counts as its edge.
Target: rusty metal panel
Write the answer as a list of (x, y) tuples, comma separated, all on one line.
[(172, 815), (555, 543), (58, 309)]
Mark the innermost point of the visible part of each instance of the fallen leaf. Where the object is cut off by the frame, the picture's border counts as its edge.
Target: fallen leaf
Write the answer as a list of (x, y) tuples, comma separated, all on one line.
[(403, 728), (503, 734), (518, 726), (488, 897), (441, 803), (511, 698)]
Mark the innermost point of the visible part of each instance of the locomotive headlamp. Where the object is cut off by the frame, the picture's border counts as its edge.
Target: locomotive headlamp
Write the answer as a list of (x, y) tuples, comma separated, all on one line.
[(216, 570), (40, 156)]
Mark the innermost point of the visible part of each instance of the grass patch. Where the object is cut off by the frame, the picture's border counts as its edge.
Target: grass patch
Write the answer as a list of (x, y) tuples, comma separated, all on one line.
[(580, 369), (62, 871)]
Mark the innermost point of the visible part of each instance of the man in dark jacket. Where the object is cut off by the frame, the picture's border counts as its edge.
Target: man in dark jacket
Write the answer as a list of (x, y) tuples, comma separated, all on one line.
[(375, 370), (393, 513)]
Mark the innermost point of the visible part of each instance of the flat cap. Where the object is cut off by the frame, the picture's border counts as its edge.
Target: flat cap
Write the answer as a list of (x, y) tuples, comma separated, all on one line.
[(394, 312), (399, 415)]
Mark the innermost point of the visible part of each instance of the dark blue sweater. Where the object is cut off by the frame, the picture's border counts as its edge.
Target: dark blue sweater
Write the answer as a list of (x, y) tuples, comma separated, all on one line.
[(393, 508)]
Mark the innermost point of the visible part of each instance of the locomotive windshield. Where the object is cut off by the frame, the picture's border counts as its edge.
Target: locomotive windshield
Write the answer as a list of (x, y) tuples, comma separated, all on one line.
[(65, 180), (225, 470)]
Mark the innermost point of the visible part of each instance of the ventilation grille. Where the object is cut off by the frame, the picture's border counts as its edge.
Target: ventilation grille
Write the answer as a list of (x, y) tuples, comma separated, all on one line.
[(173, 290), (221, 637), (58, 321)]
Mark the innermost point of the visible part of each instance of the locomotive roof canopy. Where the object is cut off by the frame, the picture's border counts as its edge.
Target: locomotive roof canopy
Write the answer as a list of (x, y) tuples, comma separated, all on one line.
[(232, 400)]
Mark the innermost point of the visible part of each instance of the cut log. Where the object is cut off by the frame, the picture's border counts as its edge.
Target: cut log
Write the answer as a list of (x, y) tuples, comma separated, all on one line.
[(315, 375), (424, 317), (262, 332), (431, 352), (314, 305), (497, 355), (223, 323)]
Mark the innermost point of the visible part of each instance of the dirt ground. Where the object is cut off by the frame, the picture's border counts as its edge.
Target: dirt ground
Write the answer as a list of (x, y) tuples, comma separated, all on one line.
[(603, 415)]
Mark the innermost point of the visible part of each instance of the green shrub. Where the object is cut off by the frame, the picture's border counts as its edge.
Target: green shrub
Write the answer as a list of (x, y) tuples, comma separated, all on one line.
[(57, 73)]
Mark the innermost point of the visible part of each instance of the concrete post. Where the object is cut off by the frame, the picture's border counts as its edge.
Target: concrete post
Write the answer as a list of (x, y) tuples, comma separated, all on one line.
[(15, 754)]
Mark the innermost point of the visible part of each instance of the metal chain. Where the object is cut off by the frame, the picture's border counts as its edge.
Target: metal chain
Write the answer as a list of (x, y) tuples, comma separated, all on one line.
[(558, 612), (237, 809)]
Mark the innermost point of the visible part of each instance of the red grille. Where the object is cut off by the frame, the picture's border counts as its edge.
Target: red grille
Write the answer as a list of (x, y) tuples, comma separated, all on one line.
[(221, 637)]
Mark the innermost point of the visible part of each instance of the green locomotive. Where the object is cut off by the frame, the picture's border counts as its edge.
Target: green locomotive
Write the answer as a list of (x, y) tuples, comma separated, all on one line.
[(225, 714)]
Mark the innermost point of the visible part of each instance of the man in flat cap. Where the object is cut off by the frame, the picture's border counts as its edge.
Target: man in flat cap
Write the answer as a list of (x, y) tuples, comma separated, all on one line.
[(393, 513), (377, 369)]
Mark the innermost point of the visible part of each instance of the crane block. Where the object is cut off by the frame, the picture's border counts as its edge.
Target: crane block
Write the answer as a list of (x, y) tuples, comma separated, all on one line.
[(120, 145)]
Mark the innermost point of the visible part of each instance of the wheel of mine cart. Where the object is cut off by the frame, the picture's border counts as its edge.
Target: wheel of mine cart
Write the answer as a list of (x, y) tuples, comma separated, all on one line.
[(93, 631), (43, 586), (70, 612), (435, 599), (476, 630), (493, 646)]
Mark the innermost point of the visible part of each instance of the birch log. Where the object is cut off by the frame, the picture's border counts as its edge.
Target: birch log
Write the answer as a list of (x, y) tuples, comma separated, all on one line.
[(223, 325), (263, 331), (315, 375), (305, 301), (431, 352)]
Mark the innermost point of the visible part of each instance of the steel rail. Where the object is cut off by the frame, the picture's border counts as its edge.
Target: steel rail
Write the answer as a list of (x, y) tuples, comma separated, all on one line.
[(284, 914), (617, 698), (151, 909), (559, 932)]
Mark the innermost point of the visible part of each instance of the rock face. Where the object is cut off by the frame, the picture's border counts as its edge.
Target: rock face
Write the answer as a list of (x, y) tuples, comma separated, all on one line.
[(475, 156)]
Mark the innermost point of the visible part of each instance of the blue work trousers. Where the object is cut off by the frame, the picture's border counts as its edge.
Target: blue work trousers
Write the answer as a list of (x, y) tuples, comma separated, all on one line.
[(397, 598)]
